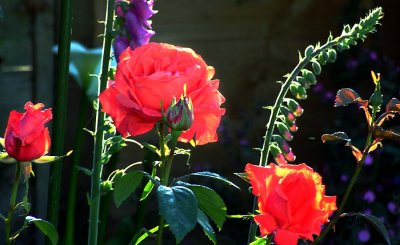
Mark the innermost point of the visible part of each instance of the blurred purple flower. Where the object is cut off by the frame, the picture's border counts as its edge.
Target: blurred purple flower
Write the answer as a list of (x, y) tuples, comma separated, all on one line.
[(367, 211), (136, 28), (318, 87), (329, 96), (244, 142), (368, 160), (344, 178), (369, 196), (351, 64), (364, 236), (392, 207), (373, 55)]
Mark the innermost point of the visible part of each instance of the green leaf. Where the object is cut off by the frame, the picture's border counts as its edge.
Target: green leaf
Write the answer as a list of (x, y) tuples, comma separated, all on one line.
[(346, 96), (210, 175), (45, 227), (205, 224), (209, 201), (337, 136), (49, 159), (178, 206), (146, 190), (152, 148), (4, 158), (259, 241), (375, 222), (125, 186)]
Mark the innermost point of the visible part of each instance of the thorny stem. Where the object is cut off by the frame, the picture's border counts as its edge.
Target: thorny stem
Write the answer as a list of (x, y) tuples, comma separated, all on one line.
[(99, 138), (11, 209)]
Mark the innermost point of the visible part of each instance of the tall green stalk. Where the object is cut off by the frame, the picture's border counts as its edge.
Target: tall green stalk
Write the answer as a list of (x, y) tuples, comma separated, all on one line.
[(99, 137), (275, 111), (11, 208), (349, 36), (60, 108), (73, 180)]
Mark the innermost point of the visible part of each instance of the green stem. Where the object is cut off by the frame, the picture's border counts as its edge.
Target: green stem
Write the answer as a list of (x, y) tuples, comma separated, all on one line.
[(99, 138), (269, 240), (351, 184), (106, 201), (60, 109), (11, 208), (73, 180), (166, 170), (163, 162)]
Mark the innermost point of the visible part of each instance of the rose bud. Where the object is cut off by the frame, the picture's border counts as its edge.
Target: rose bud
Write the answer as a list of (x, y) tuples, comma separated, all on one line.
[(179, 115), (26, 137)]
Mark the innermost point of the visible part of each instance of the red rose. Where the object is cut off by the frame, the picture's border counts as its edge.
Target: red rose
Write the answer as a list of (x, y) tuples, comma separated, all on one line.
[(158, 72), (26, 137), (291, 201)]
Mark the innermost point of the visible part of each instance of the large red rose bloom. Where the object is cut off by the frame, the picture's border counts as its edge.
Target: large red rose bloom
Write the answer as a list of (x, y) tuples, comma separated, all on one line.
[(291, 201), (154, 74), (26, 137)]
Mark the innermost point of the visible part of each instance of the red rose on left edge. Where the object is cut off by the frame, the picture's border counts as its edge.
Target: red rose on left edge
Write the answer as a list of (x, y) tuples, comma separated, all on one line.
[(26, 137), (158, 72)]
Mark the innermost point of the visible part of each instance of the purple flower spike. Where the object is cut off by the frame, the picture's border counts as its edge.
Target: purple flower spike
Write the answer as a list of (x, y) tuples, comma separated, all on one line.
[(136, 28)]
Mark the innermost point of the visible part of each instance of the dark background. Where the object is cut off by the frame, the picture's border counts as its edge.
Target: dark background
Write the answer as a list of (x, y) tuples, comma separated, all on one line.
[(251, 44)]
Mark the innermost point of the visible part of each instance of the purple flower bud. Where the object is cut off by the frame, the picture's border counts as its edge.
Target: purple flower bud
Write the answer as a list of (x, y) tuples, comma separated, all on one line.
[(179, 115)]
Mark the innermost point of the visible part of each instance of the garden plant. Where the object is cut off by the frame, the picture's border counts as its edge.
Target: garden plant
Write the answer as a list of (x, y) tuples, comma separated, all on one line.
[(171, 94)]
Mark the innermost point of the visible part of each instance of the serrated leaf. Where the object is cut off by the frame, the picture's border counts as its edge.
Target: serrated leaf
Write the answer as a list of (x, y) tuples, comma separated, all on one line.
[(178, 206), (205, 224), (335, 137), (375, 222), (210, 175), (393, 105), (209, 201), (45, 227), (346, 96), (259, 241), (125, 186)]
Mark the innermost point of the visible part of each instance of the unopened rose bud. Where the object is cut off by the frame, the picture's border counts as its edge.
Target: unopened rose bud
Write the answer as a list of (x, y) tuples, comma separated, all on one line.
[(179, 115)]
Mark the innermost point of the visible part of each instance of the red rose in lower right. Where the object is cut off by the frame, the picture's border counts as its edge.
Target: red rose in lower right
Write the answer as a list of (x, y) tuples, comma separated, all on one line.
[(291, 201)]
